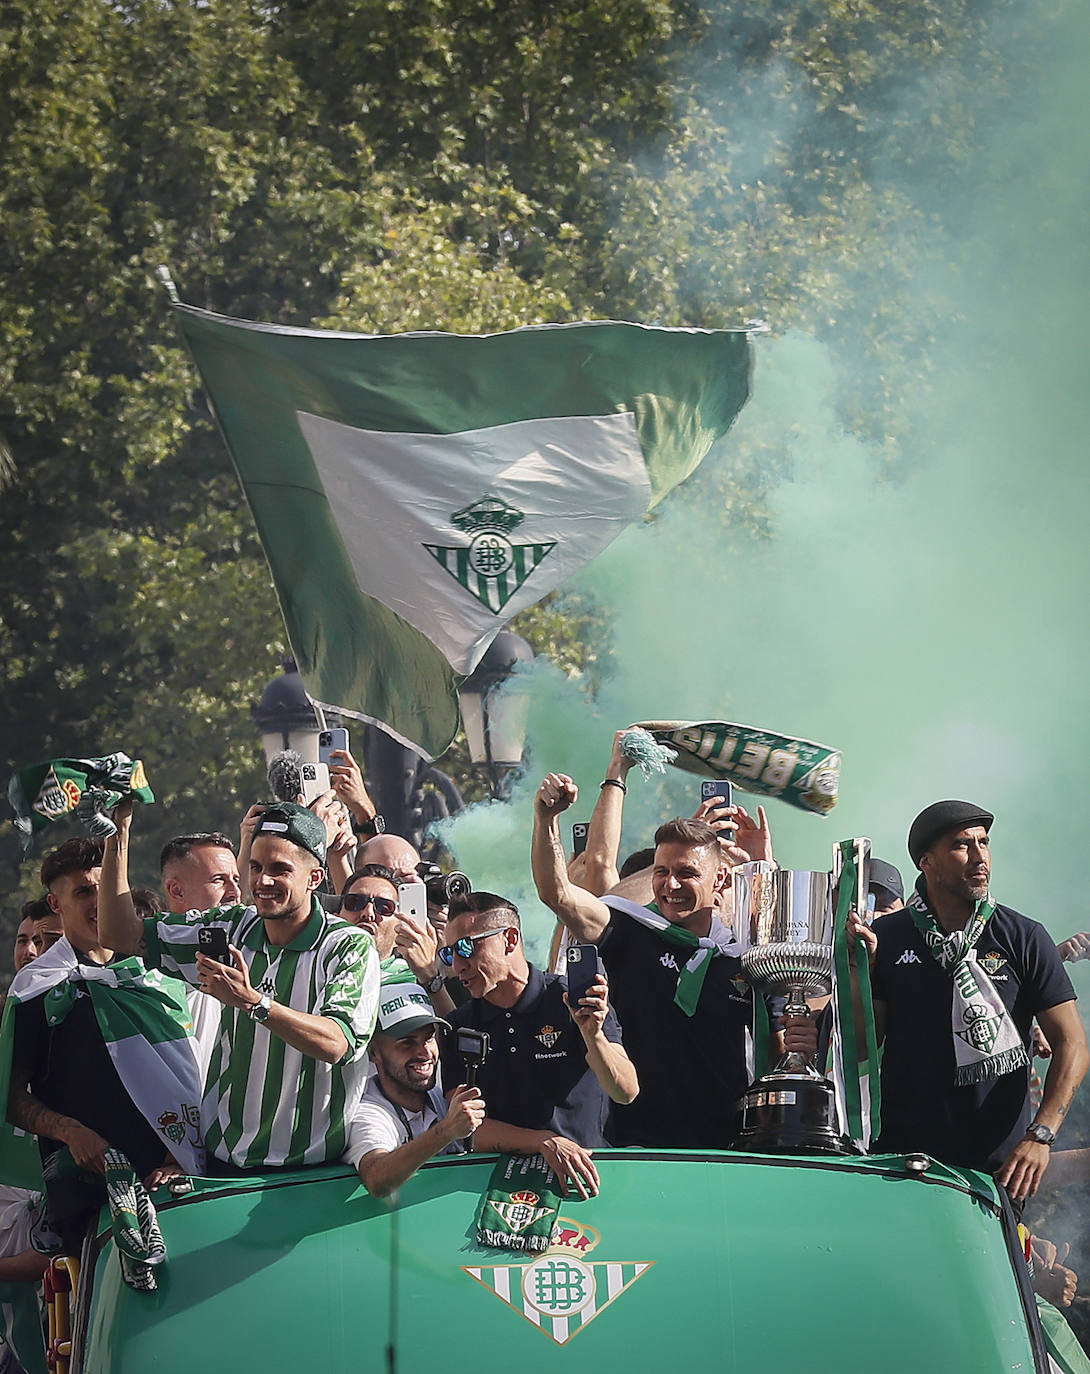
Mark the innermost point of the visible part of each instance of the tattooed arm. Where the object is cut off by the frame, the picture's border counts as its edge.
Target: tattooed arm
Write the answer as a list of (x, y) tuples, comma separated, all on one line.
[(87, 1147)]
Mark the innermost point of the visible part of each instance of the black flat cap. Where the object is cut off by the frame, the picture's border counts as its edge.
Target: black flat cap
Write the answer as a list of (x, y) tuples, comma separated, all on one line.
[(886, 877), (938, 818)]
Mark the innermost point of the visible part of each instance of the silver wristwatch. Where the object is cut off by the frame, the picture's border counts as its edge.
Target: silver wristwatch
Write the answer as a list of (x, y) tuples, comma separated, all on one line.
[(1040, 1132), (436, 983), (260, 1010)]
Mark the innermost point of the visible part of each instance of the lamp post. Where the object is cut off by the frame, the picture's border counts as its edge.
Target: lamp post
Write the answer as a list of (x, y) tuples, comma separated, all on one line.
[(495, 720), (285, 717)]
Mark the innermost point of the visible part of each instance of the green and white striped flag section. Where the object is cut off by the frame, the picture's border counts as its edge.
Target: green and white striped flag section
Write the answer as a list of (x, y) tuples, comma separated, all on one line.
[(413, 492), (145, 1023)]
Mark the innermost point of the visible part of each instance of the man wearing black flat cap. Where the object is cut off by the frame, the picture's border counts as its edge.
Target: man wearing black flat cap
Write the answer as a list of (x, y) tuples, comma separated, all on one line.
[(958, 981)]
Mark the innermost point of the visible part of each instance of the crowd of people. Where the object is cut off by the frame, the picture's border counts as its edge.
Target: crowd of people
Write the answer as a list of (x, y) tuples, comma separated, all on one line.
[(318, 995)]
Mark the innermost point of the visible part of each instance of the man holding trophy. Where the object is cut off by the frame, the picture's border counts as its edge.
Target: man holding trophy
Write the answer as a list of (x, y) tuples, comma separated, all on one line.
[(674, 977)]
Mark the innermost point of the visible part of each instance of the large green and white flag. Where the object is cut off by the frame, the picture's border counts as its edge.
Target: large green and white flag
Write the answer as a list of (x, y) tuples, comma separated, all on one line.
[(413, 492)]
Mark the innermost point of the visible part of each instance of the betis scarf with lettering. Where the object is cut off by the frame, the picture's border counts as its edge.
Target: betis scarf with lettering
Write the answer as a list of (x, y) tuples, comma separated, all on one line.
[(986, 1040), (698, 950), (43, 793), (518, 1212), (145, 1024)]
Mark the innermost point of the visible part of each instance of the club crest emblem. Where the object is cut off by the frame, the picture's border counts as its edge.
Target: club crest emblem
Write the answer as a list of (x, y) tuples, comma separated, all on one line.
[(522, 1211), (560, 1291), (981, 1029), (548, 1036), (490, 567), (56, 798), (991, 962), (171, 1125)]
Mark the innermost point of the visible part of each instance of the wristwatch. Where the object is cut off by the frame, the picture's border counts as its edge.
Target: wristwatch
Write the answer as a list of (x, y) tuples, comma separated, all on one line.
[(1039, 1131), (260, 1010), (437, 982)]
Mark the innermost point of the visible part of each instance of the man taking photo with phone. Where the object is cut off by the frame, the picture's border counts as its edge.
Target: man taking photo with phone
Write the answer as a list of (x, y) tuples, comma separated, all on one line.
[(298, 996), (554, 1068)]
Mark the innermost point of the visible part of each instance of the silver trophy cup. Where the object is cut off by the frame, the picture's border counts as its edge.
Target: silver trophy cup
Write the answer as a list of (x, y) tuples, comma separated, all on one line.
[(784, 921)]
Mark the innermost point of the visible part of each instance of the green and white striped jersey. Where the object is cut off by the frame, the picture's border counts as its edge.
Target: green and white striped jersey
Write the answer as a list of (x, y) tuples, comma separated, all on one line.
[(266, 1103)]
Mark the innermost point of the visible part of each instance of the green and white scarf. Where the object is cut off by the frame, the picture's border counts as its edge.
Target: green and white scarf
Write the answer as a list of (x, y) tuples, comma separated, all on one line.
[(147, 1029), (986, 1040), (518, 1212), (699, 950), (136, 1230)]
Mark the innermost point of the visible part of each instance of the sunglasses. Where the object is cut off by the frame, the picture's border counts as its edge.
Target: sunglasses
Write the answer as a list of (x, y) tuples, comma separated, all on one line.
[(360, 901), (464, 946)]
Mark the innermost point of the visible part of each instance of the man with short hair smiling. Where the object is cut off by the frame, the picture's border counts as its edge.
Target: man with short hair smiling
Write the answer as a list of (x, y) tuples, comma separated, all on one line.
[(39, 922), (957, 982), (673, 969), (403, 1120), (299, 996), (199, 872), (550, 1076)]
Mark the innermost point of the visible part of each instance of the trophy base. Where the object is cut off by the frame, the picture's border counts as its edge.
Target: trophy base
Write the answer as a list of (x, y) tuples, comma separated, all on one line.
[(790, 1113)]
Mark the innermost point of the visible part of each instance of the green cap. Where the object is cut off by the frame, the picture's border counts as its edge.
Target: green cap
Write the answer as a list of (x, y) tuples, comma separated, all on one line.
[(289, 821)]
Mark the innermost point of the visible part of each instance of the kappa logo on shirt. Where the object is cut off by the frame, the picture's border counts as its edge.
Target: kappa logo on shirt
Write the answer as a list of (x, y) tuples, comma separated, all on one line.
[(667, 960), (908, 957)]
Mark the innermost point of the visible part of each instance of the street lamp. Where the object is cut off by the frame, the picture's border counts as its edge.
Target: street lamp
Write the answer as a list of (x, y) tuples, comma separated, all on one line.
[(495, 720), (285, 716)]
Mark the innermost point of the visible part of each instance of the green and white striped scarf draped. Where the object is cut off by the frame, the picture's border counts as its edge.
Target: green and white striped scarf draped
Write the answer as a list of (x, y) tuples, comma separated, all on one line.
[(698, 950), (986, 1040), (146, 1026)]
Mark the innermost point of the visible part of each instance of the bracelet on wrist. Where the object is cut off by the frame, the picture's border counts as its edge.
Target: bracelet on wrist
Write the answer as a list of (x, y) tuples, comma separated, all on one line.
[(614, 782)]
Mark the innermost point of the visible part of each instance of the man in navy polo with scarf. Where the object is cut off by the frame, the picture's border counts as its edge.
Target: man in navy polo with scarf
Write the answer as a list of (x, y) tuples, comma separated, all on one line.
[(957, 982)]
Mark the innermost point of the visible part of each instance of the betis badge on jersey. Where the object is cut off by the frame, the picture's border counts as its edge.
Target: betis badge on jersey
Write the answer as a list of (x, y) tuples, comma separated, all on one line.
[(88, 788)]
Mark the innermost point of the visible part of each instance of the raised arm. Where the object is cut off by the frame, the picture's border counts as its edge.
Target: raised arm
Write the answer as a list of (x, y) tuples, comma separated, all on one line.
[(583, 914), (604, 831), (119, 927), (607, 1059)]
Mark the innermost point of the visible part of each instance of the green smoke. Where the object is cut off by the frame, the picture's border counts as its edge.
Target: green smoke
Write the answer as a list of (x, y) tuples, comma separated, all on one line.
[(929, 622)]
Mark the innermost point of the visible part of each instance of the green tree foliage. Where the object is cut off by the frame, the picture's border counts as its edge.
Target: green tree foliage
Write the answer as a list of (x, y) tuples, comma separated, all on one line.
[(380, 165)]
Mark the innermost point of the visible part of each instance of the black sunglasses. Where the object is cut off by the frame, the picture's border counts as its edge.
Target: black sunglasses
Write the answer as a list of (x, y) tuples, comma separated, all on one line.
[(360, 901)]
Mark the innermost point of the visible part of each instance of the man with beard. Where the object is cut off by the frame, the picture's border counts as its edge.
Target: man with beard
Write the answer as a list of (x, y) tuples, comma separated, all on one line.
[(407, 947), (299, 996), (957, 982), (403, 1120)]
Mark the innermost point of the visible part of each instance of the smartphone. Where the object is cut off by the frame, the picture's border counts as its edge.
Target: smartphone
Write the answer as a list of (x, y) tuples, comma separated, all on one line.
[(328, 741), (212, 942), (412, 898), (579, 836), (718, 788), (583, 968), (315, 781)]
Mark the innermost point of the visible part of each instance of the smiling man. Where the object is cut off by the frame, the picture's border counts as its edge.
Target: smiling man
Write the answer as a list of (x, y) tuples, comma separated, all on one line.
[(403, 1119), (672, 969), (298, 996), (957, 982)]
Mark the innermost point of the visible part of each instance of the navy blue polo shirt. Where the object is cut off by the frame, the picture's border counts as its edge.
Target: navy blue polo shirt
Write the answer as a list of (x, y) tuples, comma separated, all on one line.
[(536, 1073), (978, 1124), (692, 1069)]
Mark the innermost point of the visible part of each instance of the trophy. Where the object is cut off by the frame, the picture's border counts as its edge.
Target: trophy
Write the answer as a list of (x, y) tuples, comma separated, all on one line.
[(784, 922)]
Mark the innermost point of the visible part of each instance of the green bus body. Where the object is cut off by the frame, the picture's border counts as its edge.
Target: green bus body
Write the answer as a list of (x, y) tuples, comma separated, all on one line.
[(694, 1261)]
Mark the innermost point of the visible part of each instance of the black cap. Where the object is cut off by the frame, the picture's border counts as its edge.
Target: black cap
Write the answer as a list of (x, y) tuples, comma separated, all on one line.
[(938, 818), (886, 877)]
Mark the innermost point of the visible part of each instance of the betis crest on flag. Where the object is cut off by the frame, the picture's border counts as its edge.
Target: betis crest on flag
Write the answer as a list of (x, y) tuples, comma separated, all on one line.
[(413, 492)]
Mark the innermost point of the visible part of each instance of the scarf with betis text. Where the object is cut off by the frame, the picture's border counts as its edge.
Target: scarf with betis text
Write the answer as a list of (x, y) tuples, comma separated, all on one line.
[(986, 1040)]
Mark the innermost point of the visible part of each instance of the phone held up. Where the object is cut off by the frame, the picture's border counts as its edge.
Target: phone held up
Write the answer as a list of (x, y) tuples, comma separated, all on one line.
[(212, 942), (583, 969), (329, 741)]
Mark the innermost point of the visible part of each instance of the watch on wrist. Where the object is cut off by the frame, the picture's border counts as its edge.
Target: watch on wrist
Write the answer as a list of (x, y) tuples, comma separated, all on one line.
[(436, 983), (1039, 1131), (375, 826), (260, 1010)]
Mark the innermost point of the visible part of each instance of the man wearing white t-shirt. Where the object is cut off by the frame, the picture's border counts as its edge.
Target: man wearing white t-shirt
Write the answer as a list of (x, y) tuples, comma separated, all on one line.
[(403, 1119)]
